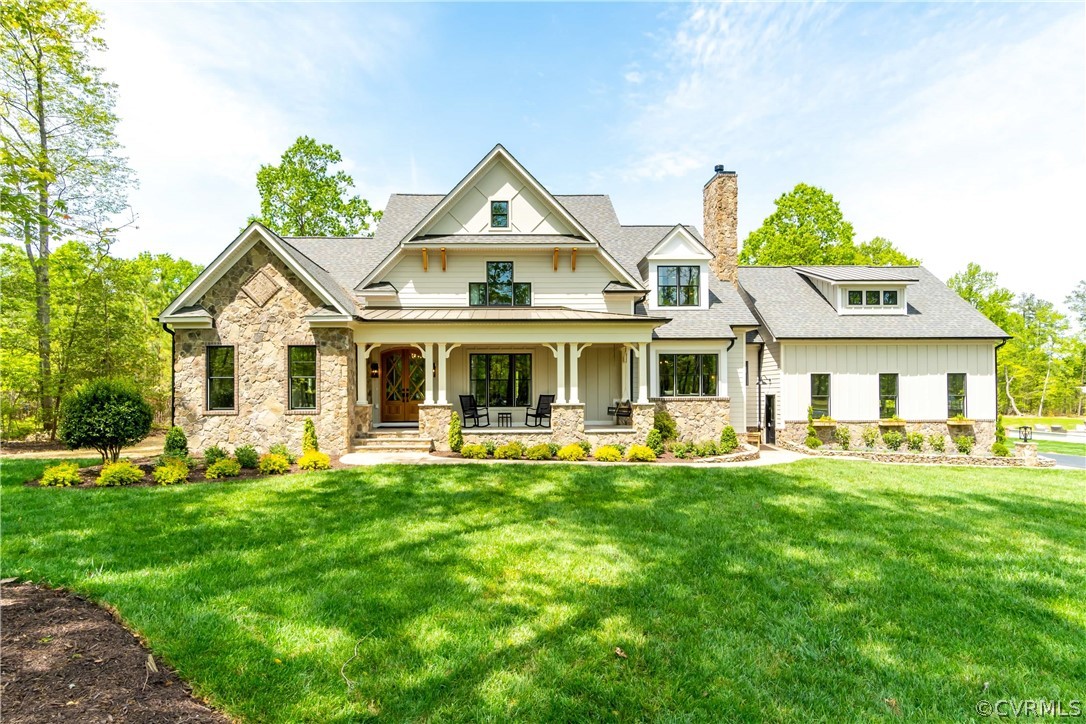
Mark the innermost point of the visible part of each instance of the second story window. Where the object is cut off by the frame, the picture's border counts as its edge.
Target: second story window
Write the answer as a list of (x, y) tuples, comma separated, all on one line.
[(677, 286), (499, 214), (499, 289)]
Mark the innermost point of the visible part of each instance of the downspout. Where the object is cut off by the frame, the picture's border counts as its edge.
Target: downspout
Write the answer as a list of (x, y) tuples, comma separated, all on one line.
[(996, 362), (173, 372), (761, 349)]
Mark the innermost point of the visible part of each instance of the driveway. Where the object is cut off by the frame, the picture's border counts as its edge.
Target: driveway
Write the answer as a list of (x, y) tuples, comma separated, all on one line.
[(1066, 461)]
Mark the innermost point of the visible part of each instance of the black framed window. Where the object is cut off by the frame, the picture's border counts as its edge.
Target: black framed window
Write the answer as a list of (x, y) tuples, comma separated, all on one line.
[(889, 298), (887, 396), (687, 375), (955, 394), (501, 380), (678, 286), (871, 296), (499, 214), (855, 297), (820, 395), (302, 370), (499, 289), (219, 369)]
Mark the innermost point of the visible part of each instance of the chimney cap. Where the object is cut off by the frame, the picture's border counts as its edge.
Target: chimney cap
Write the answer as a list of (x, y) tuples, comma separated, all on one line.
[(719, 168)]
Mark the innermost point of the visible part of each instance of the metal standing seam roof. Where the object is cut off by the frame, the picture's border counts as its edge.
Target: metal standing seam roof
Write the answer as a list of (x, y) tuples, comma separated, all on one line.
[(862, 273), (498, 314)]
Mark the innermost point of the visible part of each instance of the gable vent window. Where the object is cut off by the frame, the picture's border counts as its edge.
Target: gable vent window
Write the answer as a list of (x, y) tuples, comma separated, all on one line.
[(499, 289), (499, 214), (677, 286)]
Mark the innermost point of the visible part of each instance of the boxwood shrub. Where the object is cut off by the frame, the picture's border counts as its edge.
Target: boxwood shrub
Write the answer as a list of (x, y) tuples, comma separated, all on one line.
[(729, 441), (224, 468), (247, 456)]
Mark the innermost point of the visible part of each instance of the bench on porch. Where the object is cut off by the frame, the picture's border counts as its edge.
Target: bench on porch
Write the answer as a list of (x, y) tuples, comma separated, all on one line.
[(621, 411)]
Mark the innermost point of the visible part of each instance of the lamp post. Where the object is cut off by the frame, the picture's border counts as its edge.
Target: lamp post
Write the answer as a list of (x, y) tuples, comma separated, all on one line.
[(1025, 433)]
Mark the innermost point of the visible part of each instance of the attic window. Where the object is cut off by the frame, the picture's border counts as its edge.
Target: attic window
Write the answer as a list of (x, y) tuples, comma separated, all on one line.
[(499, 214), (873, 297)]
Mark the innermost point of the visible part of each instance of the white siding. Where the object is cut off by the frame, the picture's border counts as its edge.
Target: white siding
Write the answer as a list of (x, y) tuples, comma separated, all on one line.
[(599, 383), (854, 369), (544, 375), (750, 380), (771, 370)]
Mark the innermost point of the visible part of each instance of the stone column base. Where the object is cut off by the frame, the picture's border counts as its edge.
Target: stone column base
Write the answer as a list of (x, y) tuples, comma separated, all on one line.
[(434, 425), (1027, 451), (567, 422), (363, 419)]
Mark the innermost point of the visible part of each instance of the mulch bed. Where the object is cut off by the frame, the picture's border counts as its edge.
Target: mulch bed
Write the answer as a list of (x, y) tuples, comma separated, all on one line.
[(66, 659)]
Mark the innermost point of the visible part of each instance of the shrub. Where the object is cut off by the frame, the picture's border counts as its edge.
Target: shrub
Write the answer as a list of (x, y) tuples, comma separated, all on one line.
[(915, 441), (214, 454), (281, 449), (61, 476), (655, 441), (490, 446), (812, 441), (1000, 450), (893, 439), (105, 415), (224, 468), (620, 447), (1000, 431), (119, 473), (456, 433), (870, 436), (706, 449), (315, 460), (640, 454), (541, 451), (172, 471), (176, 445), (473, 450), (665, 423), (247, 456), (309, 437), (681, 450), (964, 443), (572, 453), (937, 443), (586, 446), (273, 464), (843, 437), (608, 454), (728, 440), (512, 450), (553, 447)]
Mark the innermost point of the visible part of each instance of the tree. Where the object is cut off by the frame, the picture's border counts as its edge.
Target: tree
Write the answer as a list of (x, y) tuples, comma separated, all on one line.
[(981, 289), (1076, 302), (880, 252), (106, 414), (61, 171), (299, 197)]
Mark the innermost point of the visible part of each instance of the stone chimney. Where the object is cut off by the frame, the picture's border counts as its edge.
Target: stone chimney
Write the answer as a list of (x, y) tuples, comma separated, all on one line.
[(722, 223)]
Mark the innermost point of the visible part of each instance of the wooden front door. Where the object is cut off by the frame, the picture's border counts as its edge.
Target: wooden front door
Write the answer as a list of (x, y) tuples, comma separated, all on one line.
[(403, 385)]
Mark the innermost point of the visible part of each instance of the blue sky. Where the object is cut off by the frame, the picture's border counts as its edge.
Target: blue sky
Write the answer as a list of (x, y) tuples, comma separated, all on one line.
[(955, 130)]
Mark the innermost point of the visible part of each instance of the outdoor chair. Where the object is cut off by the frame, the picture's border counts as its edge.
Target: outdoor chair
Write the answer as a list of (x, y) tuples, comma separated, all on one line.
[(622, 411), (539, 413), (473, 412)]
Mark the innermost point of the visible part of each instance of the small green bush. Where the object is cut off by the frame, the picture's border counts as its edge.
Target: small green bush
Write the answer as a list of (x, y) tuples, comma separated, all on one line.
[(964, 443), (225, 468), (1000, 431), (281, 449), (119, 473), (572, 453), (665, 423), (813, 441), (843, 437), (608, 454), (893, 439), (315, 460), (937, 443), (681, 450), (214, 454), (172, 471), (61, 476), (870, 436), (915, 441), (586, 446), (456, 433), (729, 441), (474, 451), (273, 464), (554, 448), (512, 450), (707, 449), (105, 415), (640, 454), (655, 441), (620, 447), (247, 456), (176, 445), (1000, 450), (490, 446), (539, 452), (309, 437)]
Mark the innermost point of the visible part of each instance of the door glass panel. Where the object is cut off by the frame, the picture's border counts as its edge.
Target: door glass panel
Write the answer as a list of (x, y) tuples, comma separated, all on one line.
[(417, 388), (394, 378)]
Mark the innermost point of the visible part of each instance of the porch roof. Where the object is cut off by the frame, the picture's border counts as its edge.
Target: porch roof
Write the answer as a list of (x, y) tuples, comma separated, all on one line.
[(501, 314)]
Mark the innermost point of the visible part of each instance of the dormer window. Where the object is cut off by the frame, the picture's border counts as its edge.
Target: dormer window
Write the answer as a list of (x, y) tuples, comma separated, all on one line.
[(499, 214), (873, 297), (678, 286), (499, 289)]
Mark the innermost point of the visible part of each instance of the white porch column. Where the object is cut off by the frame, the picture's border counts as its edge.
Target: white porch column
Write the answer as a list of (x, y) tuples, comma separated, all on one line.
[(625, 372), (642, 373), (428, 361), (363, 352), (575, 350), (560, 354), (442, 391)]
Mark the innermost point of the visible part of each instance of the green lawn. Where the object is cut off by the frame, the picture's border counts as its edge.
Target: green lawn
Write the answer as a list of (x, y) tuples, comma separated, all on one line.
[(818, 590), (1012, 423), (1061, 446)]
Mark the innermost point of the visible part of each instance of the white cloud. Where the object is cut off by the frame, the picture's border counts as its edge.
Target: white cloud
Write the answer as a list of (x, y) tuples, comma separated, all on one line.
[(633, 77)]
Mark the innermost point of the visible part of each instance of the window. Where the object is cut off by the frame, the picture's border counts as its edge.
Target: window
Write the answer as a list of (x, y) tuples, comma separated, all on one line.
[(687, 375), (501, 380), (872, 297), (955, 394), (302, 371), (499, 214), (220, 377), (820, 395), (887, 396), (855, 297), (889, 298), (677, 286), (499, 289)]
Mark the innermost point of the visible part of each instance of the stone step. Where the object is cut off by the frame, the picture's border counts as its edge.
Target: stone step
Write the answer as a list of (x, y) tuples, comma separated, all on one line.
[(391, 445)]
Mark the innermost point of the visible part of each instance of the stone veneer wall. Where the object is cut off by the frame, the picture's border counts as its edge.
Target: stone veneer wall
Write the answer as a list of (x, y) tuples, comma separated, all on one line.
[(982, 432), (363, 419), (261, 335), (567, 425), (697, 418), (434, 424), (926, 458), (721, 208)]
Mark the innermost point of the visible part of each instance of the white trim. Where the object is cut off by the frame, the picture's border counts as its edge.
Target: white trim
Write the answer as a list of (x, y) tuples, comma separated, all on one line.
[(679, 229), (185, 322)]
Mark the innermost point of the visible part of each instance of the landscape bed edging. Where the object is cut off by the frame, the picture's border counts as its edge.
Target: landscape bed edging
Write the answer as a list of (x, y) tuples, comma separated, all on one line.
[(915, 458)]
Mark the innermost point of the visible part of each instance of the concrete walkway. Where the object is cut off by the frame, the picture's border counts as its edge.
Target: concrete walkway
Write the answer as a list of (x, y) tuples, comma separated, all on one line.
[(769, 456)]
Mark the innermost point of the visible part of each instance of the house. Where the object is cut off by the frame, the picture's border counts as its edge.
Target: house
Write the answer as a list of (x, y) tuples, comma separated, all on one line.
[(502, 290)]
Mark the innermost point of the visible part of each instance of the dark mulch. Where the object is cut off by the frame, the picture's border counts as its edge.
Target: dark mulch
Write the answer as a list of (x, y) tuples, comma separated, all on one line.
[(66, 659)]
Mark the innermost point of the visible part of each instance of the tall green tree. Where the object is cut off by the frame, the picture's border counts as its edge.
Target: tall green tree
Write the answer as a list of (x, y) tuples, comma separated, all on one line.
[(881, 252), (1076, 302), (61, 174), (981, 289), (302, 197)]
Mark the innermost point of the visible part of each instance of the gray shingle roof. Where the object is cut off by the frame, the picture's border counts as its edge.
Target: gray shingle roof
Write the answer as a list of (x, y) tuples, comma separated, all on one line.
[(726, 308), (862, 273), (792, 308)]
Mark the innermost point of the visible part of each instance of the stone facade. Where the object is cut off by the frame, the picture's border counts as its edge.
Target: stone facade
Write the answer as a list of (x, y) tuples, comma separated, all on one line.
[(982, 432), (697, 418), (260, 335), (923, 458), (363, 419), (434, 425), (721, 196), (567, 425)]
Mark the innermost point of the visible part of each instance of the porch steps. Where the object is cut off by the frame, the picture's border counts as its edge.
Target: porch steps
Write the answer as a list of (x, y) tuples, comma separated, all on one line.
[(391, 440)]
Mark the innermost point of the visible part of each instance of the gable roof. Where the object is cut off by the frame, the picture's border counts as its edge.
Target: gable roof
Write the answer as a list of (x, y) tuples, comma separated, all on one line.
[(726, 310), (792, 308)]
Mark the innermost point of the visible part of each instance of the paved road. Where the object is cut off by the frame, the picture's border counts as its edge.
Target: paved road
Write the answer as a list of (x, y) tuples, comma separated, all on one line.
[(1066, 461)]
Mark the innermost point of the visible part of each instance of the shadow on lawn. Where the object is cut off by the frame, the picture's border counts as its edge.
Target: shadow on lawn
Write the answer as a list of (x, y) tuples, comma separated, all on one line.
[(502, 591)]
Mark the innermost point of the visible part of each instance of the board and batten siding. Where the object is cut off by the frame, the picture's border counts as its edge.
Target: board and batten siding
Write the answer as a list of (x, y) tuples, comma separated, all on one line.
[(922, 368)]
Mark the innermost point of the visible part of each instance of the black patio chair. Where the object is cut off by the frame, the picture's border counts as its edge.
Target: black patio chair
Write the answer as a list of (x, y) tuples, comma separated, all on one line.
[(539, 413), (621, 411), (473, 412)]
